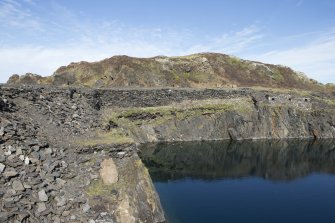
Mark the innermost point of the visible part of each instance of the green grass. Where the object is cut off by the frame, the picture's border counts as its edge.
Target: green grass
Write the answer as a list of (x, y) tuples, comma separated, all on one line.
[(330, 102), (276, 75), (129, 120), (122, 117), (238, 63), (115, 136), (283, 90), (98, 188)]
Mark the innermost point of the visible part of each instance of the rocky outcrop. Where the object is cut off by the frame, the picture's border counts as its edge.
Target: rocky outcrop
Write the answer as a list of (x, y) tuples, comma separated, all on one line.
[(54, 143), (254, 116), (261, 123), (196, 71), (27, 79)]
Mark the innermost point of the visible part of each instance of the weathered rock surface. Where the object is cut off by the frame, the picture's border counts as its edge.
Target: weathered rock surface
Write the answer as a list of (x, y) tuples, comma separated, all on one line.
[(108, 172), (253, 116), (17, 185), (54, 141), (42, 196)]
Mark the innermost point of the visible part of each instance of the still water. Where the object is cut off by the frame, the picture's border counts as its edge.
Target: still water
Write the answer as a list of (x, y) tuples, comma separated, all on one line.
[(249, 181)]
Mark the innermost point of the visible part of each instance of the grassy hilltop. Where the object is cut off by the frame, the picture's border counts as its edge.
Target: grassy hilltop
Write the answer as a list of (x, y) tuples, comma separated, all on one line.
[(197, 71)]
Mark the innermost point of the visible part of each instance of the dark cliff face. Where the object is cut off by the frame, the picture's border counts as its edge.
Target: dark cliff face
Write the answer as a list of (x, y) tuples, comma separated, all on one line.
[(264, 122), (243, 115), (196, 71)]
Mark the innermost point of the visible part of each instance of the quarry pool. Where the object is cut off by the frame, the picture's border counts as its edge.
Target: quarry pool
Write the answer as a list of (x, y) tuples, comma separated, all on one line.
[(246, 181)]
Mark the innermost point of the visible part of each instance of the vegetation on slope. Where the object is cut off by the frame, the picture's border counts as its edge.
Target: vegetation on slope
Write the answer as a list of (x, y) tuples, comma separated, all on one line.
[(197, 70), (121, 123)]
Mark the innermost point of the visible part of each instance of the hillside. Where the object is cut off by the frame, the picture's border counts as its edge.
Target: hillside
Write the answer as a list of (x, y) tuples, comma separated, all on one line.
[(196, 71)]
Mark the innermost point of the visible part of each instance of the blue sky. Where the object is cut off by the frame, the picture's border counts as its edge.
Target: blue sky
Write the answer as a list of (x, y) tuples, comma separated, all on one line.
[(39, 35)]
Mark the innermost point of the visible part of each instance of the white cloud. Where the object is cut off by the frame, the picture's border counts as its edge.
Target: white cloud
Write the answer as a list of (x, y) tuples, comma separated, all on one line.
[(15, 15), (45, 61), (81, 39), (39, 60), (103, 41), (69, 38), (231, 43), (315, 58), (31, 2)]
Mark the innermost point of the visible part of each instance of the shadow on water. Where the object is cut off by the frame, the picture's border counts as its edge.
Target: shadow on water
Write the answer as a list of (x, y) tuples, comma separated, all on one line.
[(269, 159), (244, 181)]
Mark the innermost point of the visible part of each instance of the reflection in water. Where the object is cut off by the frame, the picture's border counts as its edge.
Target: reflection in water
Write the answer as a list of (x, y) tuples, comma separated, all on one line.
[(250, 181), (269, 159)]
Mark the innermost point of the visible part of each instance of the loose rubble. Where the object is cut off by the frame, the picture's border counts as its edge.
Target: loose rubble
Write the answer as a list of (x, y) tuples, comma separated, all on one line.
[(43, 176)]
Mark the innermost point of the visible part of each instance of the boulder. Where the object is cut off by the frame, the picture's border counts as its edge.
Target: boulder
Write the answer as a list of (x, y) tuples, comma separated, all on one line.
[(108, 172), (17, 185), (42, 195), (2, 167)]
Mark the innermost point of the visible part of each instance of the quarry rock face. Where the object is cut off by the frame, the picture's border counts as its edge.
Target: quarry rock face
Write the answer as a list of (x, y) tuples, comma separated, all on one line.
[(70, 154)]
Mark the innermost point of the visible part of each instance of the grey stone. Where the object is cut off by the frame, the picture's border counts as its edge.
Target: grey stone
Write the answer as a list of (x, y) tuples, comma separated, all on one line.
[(2, 131), (36, 148), (27, 186), (47, 151), (74, 107), (42, 196), (21, 157), (86, 207), (2, 167), (10, 173), (64, 164), (22, 216), (121, 153), (11, 148), (94, 176), (87, 181), (10, 193), (66, 213), (4, 216), (61, 201), (18, 152), (41, 207), (75, 115), (26, 160), (11, 157), (2, 158), (17, 185), (57, 219), (32, 142)]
